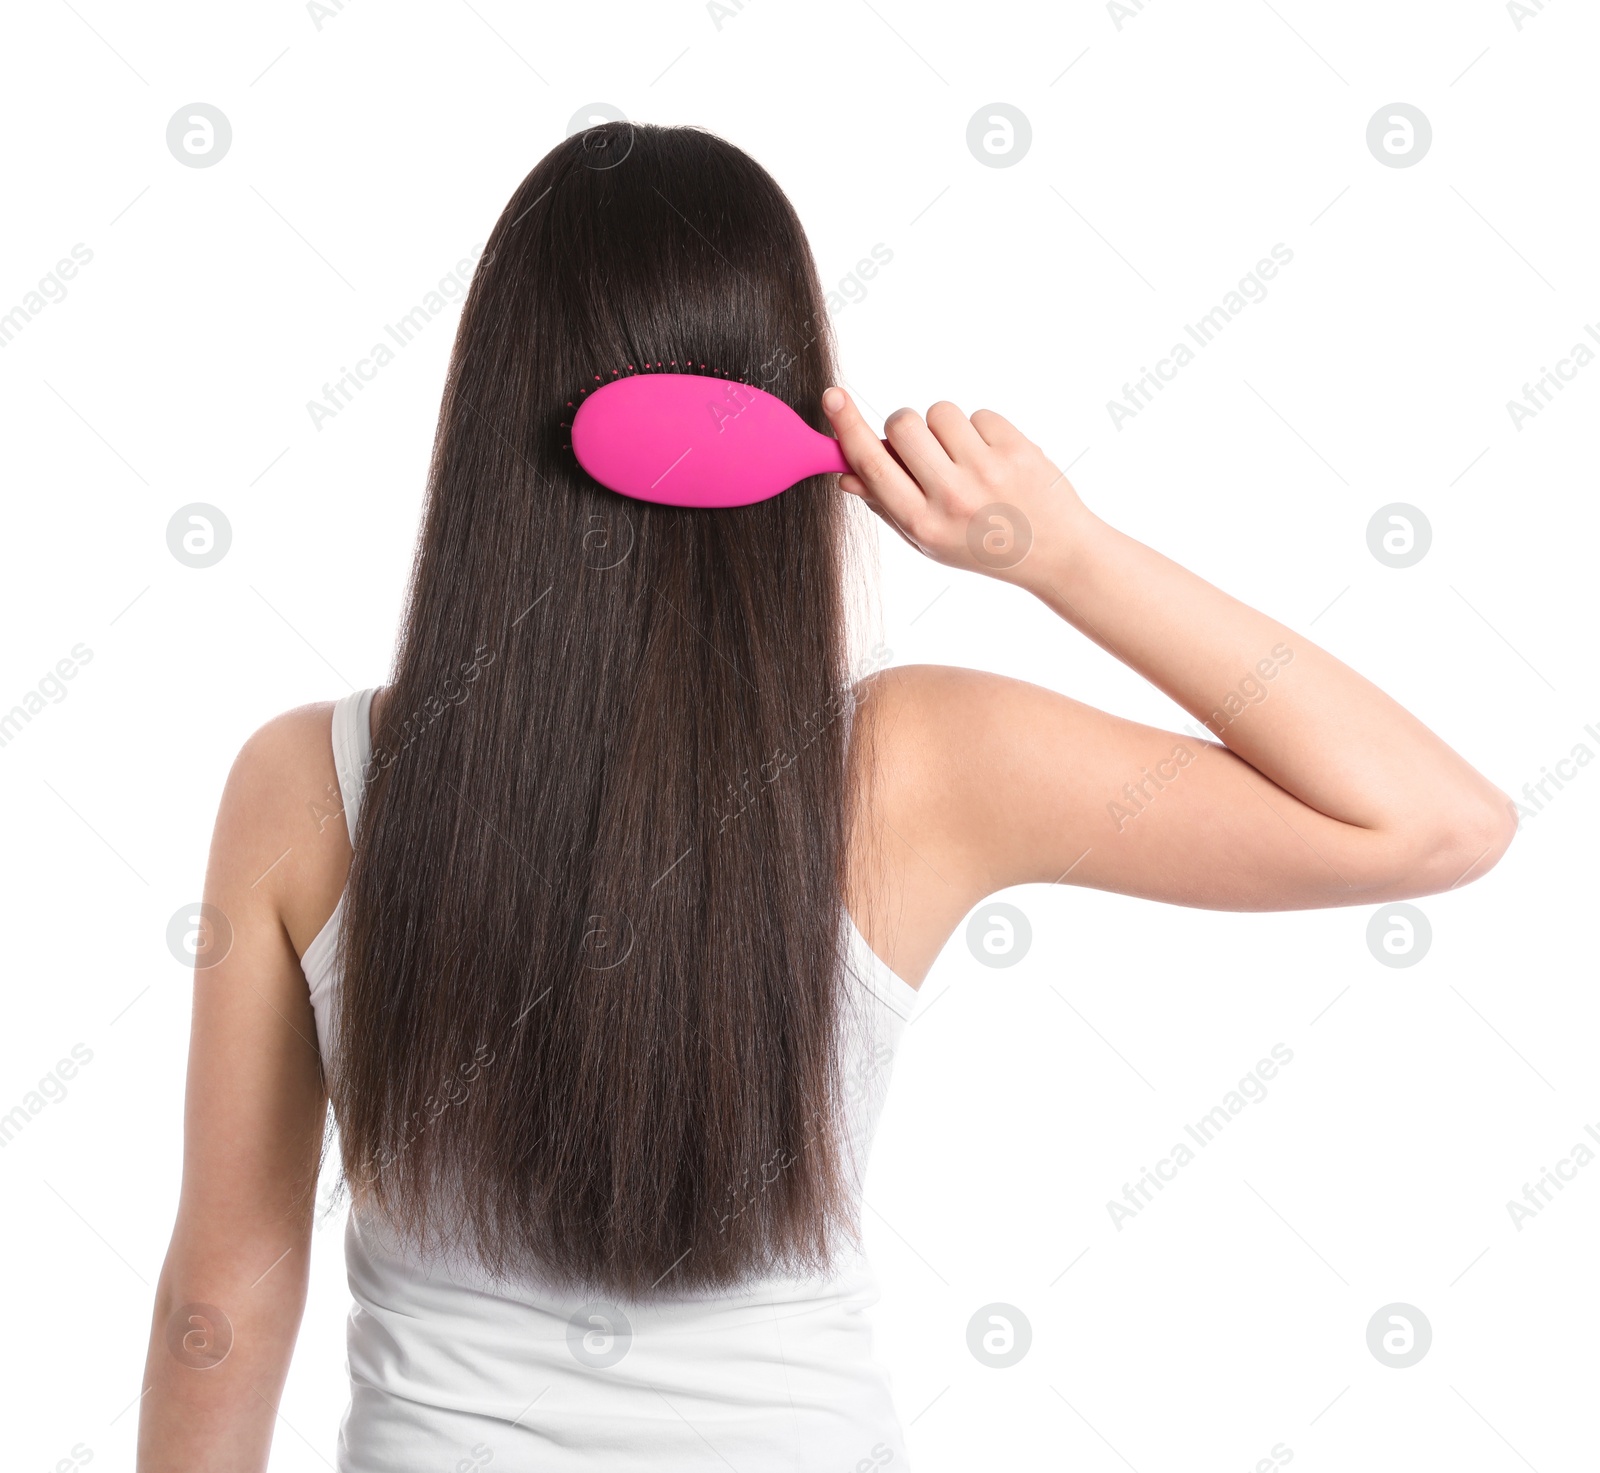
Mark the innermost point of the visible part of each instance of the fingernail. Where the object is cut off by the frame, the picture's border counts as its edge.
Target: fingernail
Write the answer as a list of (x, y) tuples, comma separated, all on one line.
[(833, 400)]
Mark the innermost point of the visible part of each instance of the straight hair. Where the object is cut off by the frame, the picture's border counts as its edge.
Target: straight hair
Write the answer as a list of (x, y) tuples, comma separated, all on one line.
[(592, 997)]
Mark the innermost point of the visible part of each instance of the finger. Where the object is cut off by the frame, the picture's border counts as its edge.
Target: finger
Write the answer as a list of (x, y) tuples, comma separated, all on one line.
[(919, 450), (870, 459), (954, 431), (998, 432)]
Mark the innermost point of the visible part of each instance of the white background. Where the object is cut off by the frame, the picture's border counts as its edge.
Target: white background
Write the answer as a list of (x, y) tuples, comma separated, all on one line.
[(1168, 155)]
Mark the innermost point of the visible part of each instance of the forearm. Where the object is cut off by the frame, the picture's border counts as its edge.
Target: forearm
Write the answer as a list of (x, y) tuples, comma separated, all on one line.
[(1286, 706)]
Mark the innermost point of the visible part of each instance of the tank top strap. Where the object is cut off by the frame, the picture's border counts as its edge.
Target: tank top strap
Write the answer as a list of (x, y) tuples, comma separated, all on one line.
[(352, 751)]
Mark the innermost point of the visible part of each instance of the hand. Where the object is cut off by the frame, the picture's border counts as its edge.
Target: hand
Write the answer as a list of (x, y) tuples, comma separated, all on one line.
[(972, 493)]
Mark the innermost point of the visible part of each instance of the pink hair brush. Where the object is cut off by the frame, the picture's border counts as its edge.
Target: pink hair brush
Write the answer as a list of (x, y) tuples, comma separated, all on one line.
[(683, 439)]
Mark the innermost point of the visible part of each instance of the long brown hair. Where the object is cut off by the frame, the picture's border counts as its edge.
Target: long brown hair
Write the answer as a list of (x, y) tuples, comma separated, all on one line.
[(590, 1010)]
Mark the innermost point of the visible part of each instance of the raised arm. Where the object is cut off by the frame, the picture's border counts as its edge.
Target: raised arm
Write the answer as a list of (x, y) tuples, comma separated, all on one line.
[(1309, 787)]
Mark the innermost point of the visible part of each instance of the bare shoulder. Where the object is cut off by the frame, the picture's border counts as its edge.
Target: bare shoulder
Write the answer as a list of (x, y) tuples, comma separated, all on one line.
[(931, 728), (930, 704), (280, 825), (926, 736)]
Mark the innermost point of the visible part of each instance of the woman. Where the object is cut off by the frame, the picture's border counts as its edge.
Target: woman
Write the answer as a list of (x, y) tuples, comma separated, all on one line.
[(642, 886)]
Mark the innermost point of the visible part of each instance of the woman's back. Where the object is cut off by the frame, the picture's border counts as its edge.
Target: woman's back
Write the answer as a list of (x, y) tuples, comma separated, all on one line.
[(446, 1363)]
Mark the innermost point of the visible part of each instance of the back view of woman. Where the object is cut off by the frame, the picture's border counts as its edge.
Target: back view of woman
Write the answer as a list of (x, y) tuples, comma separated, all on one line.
[(598, 923)]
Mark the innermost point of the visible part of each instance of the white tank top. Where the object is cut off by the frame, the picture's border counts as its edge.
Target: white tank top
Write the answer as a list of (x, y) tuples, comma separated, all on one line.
[(452, 1373)]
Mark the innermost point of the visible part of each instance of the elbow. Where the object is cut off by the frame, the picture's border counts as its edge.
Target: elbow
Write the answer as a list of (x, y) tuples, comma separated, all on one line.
[(1464, 846)]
